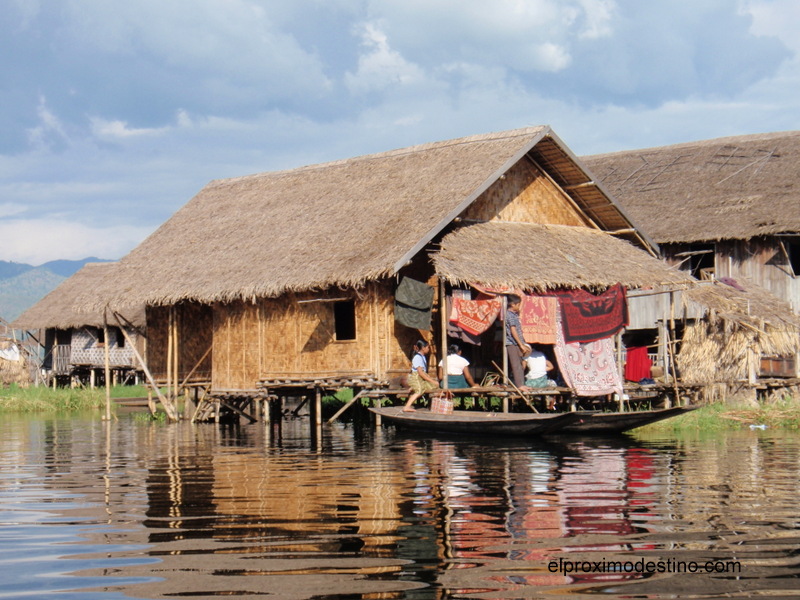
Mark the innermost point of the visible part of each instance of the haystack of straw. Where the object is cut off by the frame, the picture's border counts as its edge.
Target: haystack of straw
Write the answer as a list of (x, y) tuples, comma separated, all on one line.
[(13, 371), (740, 325)]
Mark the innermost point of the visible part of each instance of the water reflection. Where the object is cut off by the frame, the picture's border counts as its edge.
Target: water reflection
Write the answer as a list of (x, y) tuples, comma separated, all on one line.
[(131, 509)]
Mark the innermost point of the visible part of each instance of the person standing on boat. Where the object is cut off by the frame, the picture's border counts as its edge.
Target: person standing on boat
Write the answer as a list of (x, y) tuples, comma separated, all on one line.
[(516, 347), (458, 375), (419, 380)]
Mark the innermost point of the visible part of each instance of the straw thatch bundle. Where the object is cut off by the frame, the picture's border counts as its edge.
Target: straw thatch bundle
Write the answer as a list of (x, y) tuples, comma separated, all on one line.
[(739, 326), (60, 309), (13, 371), (727, 188), (337, 224), (544, 257)]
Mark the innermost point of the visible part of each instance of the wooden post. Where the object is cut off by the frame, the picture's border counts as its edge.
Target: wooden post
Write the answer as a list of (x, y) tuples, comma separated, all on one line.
[(107, 361), (503, 340), (618, 342), (169, 352), (168, 406), (317, 407), (443, 325), (175, 352)]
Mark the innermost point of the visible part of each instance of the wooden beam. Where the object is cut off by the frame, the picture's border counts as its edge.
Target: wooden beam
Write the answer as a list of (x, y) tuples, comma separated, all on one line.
[(578, 186), (360, 394), (199, 362), (238, 411), (166, 403)]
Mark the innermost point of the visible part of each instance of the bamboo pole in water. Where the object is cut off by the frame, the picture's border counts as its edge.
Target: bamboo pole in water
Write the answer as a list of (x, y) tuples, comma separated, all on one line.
[(107, 363)]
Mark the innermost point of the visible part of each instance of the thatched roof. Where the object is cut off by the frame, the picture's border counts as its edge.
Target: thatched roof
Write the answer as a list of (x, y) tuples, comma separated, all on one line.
[(337, 224), (750, 305), (727, 188), (542, 257), (60, 308)]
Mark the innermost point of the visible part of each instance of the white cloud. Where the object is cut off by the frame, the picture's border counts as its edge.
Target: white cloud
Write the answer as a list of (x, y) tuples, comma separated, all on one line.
[(120, 129), (775, 18), (598, 18), (232, 49), (380, 67), (49, 129), (38, 241), (9, 209)]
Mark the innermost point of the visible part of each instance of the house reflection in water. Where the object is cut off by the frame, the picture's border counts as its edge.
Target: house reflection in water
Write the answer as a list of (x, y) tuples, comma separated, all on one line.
[(454, 516), (503, 523)]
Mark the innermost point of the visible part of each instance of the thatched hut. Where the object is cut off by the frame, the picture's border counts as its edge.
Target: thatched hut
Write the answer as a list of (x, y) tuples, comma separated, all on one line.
[(720, 208), (73, 341), (289, 278)]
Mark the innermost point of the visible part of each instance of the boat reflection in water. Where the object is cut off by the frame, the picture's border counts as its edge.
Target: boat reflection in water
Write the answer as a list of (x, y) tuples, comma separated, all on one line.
[(203, 511)]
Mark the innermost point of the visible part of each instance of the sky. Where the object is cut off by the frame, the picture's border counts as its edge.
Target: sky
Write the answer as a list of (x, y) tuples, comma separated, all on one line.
[(115, 114)]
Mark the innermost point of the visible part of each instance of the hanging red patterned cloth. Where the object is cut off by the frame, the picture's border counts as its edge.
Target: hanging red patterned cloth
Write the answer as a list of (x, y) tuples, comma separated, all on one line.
[(586, 317), (538, 317), (475, 316), (589, 369)]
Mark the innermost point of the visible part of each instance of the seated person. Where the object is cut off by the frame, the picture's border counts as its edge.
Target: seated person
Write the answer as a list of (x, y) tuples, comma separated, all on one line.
[(538, 367), (458, 375)]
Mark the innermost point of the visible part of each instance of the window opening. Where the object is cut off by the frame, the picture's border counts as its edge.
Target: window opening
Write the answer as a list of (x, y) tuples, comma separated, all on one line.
[(344, 316)]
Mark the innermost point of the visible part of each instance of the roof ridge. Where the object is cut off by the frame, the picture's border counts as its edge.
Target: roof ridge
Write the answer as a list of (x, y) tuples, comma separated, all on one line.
[(483, 137), (753, 137)]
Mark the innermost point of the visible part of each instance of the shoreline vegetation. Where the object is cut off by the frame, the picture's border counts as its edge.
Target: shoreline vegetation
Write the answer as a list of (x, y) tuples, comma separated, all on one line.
[(712, 417)]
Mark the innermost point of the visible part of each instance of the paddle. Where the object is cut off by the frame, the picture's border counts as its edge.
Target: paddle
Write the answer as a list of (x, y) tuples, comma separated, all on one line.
[(519, 391)]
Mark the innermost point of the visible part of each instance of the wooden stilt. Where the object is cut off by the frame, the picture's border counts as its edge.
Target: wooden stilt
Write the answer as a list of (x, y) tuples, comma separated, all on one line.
[(443, 326), (107, 365), (175, 353), (170, 316)]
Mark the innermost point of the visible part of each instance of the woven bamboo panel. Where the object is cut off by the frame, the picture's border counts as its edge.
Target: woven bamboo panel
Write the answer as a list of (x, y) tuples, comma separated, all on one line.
[(524, 194)]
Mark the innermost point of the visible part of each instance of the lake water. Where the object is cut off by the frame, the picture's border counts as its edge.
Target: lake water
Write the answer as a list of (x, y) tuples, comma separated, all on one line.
[(132, 509)]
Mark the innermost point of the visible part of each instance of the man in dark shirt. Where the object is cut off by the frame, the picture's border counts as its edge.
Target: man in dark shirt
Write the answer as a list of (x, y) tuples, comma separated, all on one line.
[(516, 347)]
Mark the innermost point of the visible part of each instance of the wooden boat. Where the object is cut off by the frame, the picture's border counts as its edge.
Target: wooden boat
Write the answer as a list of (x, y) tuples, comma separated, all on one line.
[(477, 423), (591, 422)]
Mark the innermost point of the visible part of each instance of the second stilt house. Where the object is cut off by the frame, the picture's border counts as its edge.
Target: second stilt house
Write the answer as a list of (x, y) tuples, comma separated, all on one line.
[(290, 279)]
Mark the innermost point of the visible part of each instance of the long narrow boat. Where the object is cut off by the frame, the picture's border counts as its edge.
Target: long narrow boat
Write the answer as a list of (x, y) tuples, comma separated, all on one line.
[(591, 422), (477, 423)]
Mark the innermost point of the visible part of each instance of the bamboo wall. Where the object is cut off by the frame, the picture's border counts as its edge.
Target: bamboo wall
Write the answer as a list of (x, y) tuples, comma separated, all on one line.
[(194, 330), (526, 195), (293, 337)]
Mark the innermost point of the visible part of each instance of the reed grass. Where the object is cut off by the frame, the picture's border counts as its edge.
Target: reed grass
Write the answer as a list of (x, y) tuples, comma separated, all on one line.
[(721, 417), (45, 399)]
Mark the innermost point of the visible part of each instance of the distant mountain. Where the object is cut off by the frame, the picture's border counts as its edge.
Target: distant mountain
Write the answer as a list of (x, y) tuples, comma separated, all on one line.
[(66, 268), (22, 285), (12, 269)]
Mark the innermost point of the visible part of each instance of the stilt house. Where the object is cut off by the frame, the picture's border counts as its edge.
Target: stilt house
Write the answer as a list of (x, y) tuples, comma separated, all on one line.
[(74, 342), (725, 209), (288, 279)]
